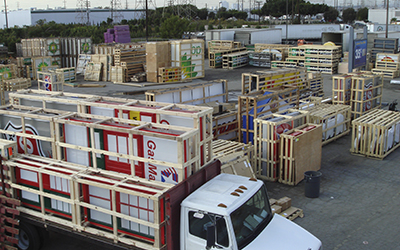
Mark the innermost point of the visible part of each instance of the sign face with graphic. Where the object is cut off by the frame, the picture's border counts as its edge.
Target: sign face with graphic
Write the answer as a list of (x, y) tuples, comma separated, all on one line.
[(360, 53), (33, 146)]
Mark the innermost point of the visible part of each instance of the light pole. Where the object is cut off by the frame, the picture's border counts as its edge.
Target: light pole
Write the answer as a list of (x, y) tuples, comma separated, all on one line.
[(287, 7), (387, 18), (259, 11), (5, 9)]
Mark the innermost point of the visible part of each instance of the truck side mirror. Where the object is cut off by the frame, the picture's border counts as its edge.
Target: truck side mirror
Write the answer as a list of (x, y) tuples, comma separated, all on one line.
[(210, 236)]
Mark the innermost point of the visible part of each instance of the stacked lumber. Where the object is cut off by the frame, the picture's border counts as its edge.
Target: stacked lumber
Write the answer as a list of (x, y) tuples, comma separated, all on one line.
[(133, 60)]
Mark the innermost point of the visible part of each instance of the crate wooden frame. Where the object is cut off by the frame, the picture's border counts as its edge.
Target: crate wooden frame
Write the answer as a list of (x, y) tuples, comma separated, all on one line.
[(78, 176), (215, 57), (202, 116), (169, 74), (50, 81), (8, 149), (17, 84), (290, 96), (92, 122), (267, 146), (151, 95), (387, 65), (68, 74), (370, 133), (118, 74), (107, 61), (188, 66), (387, 72), (341, 89), (359, 91), (11, 69), (223, 45), (223, 129), (93, 71), (299, 153), (284, 64), (273, 78), (323, 113), (235, 60), (231, 153)]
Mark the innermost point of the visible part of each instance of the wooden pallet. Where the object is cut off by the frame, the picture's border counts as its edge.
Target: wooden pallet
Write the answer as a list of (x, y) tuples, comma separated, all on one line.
[(284, 64), (292, 213), (387, 73)]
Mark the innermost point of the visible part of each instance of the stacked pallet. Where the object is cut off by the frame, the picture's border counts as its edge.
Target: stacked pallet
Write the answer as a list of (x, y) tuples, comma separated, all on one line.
[(376, 134), (109, 36), (16, 84), (384, 45), (217, 45), (122, 34), (235, 60), (133, 60), (260, 59), (387, 64)]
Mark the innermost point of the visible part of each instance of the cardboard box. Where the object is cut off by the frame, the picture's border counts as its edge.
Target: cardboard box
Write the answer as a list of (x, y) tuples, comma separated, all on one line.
[(276, 209), (284, 202)]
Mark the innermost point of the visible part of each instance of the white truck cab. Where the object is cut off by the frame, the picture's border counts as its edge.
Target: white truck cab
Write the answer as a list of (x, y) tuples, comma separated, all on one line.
[(233, 212)]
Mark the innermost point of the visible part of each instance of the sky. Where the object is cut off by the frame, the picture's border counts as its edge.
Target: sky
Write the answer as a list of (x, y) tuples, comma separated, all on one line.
[(43, 4)]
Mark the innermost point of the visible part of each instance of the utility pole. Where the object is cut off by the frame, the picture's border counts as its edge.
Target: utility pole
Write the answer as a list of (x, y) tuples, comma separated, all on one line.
[(5, 11), (147, 22)]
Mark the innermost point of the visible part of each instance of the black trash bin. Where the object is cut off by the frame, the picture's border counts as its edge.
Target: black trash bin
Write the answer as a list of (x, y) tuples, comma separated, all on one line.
[(312, 183)]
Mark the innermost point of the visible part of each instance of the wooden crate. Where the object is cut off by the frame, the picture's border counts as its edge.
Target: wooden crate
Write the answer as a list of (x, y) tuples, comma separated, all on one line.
[(107, 63), (215, 57), (225, 126), (235, 157), (189, 55), (324, 69), (261, 59), (93, 71), (196, 117), (260, 80), (284, 64), (335, 120), (387, 57), (140, 151), (16, 84), (223, 45), (118, 74), (169, 74), (376, 134), (299, 60), (68, 74), (261, 103), (301, 151), (50, 81), (158, 55), (111, 219), (387, 65), (387, 73), (316, 83), (366, 94), (341, 89), (216, 90), (235, 60), (267, 131)]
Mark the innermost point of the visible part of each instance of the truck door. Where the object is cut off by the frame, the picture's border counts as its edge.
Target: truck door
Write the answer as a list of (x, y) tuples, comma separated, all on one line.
[(196, 236)]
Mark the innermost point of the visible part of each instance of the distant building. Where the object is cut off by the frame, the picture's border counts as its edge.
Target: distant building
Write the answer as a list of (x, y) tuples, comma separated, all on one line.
[(18, 18)]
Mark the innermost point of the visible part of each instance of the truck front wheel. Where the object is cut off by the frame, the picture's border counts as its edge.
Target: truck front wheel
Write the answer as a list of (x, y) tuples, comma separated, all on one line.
[(28, 238)]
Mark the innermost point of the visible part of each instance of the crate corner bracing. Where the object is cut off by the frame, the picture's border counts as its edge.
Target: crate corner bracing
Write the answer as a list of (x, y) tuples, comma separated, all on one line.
[(267, 131), (376, 134), (188, 116), (189, 55)]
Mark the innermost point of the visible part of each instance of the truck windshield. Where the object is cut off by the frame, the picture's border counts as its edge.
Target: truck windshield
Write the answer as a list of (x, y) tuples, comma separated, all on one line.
[(251, 218)]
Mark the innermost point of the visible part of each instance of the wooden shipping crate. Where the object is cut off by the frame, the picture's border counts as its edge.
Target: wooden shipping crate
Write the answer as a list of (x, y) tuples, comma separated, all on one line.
[(284, 64), (189, 55), (235, 60), (223, 45), (263, 102), (216, 90), (273, 78), (366, 94), (235, 157), (387, 72), (341, 89), (107, 62), (301, 151), (387, 57), (118, 74), (267, 131), (68, 74), (196, 117), (16, 84), (93, 71), (136, 148), (69, 194), (169, 74), (50, 81), (8, 71), (215, 57), (158, 55), (225, 126), (376, 134), (335, 120)]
